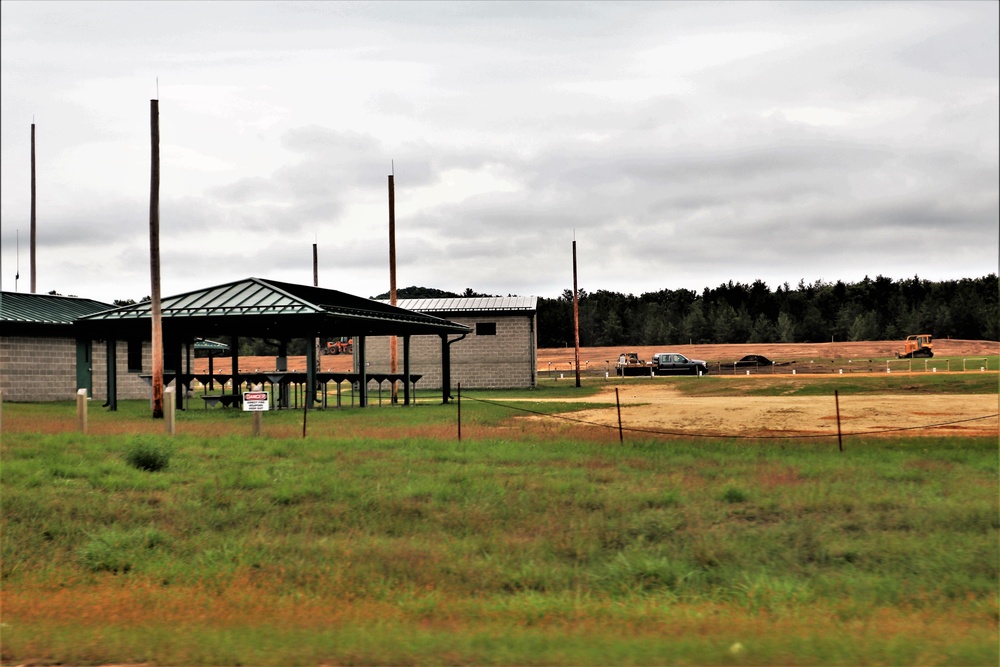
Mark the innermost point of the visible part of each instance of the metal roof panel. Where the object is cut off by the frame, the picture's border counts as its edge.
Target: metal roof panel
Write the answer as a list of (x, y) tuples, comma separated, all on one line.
[(469, 304), (47, 308), (268, 298)]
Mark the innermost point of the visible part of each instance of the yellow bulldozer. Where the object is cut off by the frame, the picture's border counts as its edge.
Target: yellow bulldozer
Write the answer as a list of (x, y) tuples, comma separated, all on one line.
[(918, 345)]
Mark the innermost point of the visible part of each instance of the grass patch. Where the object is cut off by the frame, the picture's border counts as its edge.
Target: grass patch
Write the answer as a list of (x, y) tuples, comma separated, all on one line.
[(151, 455), (383, 539)]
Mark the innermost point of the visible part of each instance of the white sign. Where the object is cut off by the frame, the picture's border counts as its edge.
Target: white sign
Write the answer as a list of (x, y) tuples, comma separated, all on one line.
[(255, 401)]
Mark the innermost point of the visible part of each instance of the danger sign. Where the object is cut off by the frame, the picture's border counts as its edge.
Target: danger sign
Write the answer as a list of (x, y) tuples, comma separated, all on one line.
[(255, 401)]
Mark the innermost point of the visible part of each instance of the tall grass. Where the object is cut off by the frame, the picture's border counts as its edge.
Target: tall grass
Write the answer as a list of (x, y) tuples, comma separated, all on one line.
[(511, 549)]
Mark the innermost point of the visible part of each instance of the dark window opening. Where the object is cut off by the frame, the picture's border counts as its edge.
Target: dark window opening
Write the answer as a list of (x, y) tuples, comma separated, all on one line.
[(486, 328), (135, 356)]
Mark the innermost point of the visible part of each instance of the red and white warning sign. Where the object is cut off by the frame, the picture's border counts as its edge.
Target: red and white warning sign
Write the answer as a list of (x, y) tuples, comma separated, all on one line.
[(255, 401)]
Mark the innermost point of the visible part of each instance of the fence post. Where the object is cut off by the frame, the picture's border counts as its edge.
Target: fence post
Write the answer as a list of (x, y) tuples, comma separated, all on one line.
[(460, 412), (81, 409), (169, 409), (840, 438), (621, 436), (1, 411)]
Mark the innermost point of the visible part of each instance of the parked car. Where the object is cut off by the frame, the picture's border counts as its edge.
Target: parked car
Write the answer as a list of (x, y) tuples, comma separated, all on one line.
[(758, 360), (753, 360), (672, 363)]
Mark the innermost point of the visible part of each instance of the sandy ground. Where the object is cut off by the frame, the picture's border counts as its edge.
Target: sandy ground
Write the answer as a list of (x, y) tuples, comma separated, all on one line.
[(663, 408), (562, 358)]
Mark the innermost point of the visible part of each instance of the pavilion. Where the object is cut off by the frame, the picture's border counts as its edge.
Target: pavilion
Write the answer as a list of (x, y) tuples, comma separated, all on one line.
[(259, 308)]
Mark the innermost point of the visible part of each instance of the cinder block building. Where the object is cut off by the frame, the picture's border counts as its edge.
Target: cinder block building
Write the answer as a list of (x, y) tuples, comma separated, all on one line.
[(51, 346), (500, 352), (41, 358)]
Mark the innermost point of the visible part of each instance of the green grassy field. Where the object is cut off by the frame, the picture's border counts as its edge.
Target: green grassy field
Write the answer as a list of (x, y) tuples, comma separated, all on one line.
[(383, 539)]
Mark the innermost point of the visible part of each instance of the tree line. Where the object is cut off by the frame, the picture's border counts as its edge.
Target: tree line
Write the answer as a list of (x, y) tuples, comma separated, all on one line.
[(879, 309), (733, 312)]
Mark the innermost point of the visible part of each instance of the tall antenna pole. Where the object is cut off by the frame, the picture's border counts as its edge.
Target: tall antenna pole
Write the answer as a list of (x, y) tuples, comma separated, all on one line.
[(156, 313), (34, 272), (393, 352), (17, 274), (576, 318)]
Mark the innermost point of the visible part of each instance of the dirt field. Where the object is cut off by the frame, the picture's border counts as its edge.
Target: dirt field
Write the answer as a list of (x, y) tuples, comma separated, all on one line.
[(662, 408), (562, 358)]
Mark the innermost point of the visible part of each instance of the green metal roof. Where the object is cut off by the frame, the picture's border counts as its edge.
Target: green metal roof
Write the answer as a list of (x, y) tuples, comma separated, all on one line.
[(470, 305), (266, 307), (46, 308)]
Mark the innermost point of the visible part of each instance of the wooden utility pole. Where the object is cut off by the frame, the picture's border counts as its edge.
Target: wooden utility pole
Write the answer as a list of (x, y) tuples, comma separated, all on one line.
[(393, 352), (156, 313), (316, 341), (315, 266), (576, 319), (32, 252)]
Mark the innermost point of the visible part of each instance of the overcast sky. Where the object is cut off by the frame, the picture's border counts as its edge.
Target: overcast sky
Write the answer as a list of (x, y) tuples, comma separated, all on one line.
[(683, 144)]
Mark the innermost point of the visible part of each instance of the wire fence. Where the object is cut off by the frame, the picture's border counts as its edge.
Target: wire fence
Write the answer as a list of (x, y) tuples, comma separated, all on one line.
[(621, 427), (560, 371)]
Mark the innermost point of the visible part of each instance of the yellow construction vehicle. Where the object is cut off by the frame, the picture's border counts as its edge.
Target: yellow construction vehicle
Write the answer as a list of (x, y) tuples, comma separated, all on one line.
[(919, 345)]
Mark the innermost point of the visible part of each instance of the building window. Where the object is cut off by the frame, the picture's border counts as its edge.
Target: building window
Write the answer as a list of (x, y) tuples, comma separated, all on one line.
[(486, 328), (135, 356)]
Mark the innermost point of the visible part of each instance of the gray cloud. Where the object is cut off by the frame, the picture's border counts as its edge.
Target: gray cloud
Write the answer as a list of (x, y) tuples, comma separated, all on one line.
[(684, 144)]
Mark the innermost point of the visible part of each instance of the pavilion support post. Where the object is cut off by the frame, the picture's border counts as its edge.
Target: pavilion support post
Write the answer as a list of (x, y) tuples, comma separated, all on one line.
[(112, 368), (406, 369), (362, 373), (310, 399), (446, 366), (188, 372), (281, 365), (445, 369), (236, 365)]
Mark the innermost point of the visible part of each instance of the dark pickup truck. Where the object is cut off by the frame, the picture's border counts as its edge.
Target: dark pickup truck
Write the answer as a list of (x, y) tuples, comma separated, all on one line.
[(672, 363)]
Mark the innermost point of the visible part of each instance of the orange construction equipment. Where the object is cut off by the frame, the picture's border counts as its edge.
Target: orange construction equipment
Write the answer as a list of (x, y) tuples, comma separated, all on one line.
[(343, 346), (919, 345)]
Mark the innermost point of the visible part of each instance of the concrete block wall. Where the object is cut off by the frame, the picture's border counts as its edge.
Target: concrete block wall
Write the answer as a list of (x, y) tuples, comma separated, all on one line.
[(130, 385), (44, 369), (503, 361), (37, 369)]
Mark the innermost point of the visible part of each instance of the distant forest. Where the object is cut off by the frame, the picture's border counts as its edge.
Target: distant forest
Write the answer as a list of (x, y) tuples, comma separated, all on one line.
[(879, 309)]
